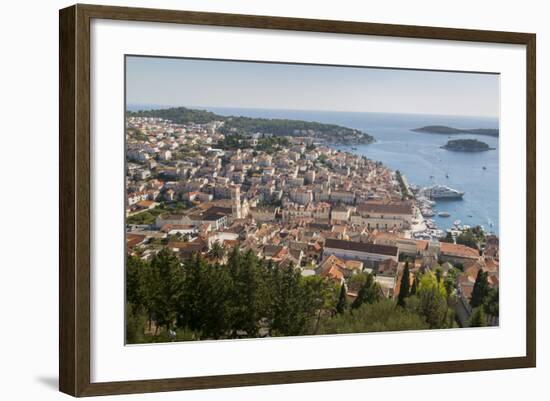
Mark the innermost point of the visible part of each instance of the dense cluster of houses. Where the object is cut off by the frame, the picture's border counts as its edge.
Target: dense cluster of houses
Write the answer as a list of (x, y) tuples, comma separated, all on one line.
[(323, 211)]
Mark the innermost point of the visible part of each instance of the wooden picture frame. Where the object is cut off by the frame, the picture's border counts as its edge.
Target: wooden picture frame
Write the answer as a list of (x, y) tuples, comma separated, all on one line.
[(74, 203)]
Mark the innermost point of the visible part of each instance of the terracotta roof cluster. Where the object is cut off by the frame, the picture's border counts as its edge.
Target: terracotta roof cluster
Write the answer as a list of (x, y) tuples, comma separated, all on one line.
[(333, 273), (333, 268), (275, 252)]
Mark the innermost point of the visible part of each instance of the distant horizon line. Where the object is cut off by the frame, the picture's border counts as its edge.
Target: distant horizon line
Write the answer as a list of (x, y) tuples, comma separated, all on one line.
[(209, 108)]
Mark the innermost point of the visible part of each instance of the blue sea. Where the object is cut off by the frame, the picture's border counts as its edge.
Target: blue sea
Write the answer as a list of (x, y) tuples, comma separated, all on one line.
[(418, 156)]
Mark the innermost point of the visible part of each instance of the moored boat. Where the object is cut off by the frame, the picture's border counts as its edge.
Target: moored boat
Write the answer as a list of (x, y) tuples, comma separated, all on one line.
[(443, 192)]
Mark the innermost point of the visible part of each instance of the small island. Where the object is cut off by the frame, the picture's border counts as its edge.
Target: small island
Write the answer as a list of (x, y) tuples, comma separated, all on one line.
[(443, 129), (466, 145)]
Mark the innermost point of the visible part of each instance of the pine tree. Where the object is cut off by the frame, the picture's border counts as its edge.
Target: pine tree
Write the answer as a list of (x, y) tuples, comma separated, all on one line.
[(135, 272), (189, 307), (215, 319), (405, 285), (290, 306), (251, 294), (361, 296), (368, 293), (168, 281), (342, 304)]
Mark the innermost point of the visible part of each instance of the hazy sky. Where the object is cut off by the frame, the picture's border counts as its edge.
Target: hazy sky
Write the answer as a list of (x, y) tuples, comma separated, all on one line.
[(187, 82)]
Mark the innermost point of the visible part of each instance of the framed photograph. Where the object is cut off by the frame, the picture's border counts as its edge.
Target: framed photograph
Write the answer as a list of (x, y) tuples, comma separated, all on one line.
[(250, 200)]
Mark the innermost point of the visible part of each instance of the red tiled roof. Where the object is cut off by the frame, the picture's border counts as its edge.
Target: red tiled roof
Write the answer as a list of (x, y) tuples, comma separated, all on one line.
[(333, 273), (134, 239), (458, 250), (421, 244), (145, 203)]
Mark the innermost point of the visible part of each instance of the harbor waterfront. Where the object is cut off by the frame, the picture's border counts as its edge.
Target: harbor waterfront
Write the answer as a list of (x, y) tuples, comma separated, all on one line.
[(419, 158)]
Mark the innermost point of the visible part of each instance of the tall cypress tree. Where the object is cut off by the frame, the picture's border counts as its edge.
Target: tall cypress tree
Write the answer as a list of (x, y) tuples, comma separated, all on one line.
[(361, 295), (342, 304), (481, 289), (414, 285), (405, 285)]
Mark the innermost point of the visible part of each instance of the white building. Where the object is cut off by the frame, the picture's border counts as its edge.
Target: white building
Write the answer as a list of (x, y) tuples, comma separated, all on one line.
[(165, 155), (386, 216), (301, 196), (340, 214), (342, 196)]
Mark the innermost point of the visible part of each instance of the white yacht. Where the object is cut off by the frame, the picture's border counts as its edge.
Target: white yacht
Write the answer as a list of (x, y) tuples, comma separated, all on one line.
[(443, 192)]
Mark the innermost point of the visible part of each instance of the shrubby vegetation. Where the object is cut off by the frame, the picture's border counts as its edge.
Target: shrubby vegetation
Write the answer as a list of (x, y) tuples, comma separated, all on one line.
[(380, 316)]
